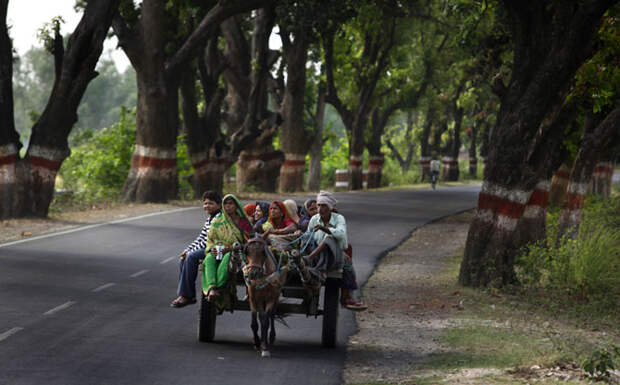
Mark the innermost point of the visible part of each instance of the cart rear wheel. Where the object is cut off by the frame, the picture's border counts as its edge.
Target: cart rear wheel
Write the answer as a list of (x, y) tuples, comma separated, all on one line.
[(206, 320), (330, 313)]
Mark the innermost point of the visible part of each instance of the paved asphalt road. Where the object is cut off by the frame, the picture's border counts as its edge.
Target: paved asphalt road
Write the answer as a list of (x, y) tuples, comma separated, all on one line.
[(92, 306)]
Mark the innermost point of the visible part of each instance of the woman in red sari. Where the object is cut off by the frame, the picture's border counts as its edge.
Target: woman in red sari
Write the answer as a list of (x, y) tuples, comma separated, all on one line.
[(279, 222)]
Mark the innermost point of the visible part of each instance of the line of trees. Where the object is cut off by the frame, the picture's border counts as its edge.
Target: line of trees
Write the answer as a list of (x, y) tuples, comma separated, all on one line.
[(527, 85)]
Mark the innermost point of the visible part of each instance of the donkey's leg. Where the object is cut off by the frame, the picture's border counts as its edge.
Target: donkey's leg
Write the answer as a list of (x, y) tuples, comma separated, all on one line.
[(264, 326), (254, 326), (272, 331)]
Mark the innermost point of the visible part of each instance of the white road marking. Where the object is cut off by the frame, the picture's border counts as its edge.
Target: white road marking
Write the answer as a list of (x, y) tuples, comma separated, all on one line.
[(103, 287), (9, 333), (134, 275), (96, 225), (59, 308), (166, 260)]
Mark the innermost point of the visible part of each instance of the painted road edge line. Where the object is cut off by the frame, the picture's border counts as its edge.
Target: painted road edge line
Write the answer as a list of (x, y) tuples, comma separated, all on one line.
[(9, 333), (59, 308), (139, 273), (95, 225), (103, 287), (166, 260)]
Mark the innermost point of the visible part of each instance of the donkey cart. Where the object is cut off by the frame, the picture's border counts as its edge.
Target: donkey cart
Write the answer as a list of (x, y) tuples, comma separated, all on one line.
[(304, 298)]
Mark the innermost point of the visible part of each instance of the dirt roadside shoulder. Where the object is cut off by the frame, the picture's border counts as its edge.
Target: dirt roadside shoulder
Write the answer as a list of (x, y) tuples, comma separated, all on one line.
[(422, 328), (24, 228)]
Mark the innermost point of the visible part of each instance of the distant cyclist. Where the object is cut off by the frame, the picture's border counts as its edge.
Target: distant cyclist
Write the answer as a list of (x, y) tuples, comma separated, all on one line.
[(435, 166)]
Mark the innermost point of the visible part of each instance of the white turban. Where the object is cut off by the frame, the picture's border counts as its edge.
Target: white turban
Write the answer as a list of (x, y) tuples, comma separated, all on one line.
[(326, 198)]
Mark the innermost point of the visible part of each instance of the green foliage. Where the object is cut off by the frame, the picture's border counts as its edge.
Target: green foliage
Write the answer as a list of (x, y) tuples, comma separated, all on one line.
[(335, 156), (393, 175), (99, 164), (49, 32), (600, 364), (33, 78), (586, 268), (184, 169)]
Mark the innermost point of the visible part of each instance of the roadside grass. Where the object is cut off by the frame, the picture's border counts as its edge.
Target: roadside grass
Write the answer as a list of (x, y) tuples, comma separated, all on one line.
[(515, 329)]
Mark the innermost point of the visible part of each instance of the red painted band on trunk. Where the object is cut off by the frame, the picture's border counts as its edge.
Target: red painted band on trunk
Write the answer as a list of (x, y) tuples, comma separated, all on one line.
[(44, 163), (355, 163), (9, 159), (375, 162), (293, 163), (539, 198), (161, 163), (200, 164), (264, 157), (209, 161), (562, 174), (603, 170), (574, 201), (450, 162), (500, 206), (423, 162)]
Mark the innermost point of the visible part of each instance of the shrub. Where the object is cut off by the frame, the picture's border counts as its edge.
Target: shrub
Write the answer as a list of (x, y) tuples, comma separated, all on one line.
[(588, 266), (184, 169), (100, 162), (335, 156)]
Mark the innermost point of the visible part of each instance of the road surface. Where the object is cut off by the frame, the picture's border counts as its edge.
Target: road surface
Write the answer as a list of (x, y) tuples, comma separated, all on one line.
[(92, 306)]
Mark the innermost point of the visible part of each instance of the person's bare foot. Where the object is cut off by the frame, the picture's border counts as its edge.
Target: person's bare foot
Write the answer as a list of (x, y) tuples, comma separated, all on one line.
[(213, 295), (182, 301)]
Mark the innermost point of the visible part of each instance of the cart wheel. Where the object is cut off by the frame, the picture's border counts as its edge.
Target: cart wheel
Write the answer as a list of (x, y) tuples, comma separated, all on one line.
[(206, 320), (330, 313)]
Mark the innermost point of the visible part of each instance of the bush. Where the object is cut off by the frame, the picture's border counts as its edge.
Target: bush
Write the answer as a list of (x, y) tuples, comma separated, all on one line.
[(392, 174), (100, 162), (184, 169), (587, 267), (335, 156)]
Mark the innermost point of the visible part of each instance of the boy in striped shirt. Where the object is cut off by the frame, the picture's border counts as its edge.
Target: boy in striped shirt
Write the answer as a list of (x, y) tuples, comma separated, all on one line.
[(193, 254)]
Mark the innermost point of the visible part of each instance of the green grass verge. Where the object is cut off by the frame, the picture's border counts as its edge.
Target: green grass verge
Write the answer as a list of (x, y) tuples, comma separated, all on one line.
[(516, 329)]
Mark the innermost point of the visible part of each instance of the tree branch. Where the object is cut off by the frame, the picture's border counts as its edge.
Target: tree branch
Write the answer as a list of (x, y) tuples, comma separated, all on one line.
[(220, 12)]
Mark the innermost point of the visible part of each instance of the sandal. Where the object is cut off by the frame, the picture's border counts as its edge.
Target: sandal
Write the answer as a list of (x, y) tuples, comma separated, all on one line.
[(182, 301), (354, 305)]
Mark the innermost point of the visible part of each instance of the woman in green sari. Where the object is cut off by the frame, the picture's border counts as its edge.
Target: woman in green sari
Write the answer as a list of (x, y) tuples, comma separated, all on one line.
[(230, 227)]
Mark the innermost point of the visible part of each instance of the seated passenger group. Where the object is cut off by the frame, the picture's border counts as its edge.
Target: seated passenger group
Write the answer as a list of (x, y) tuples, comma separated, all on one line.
[(230, 222)]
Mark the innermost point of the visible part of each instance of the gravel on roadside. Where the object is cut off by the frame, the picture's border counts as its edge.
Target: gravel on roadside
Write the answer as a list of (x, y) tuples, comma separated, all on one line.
[(409, 305)]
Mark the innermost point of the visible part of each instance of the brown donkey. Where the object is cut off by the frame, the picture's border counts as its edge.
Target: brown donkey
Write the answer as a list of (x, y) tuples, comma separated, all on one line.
[(264, 283)]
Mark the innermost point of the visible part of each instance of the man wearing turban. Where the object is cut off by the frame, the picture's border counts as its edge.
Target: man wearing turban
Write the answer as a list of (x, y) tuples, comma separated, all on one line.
[(329, 236)]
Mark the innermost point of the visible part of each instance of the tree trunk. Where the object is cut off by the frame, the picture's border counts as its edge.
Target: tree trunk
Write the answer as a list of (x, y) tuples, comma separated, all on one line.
[(602, 179), (450, 161), (425, 147), (209, 172), (375, 164), (153, 173), (595, 141), (356, 156), (316, 148), (473, 160), (293, 136), (376, 56), (533, 224), (203, 132), (542, 68), (28, 184), (559, 182), (259, 170)]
